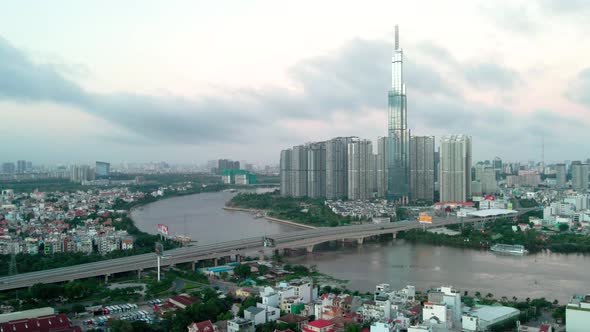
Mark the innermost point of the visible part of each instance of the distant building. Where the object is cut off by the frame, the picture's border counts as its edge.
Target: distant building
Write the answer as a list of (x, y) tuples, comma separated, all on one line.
[(21, 166), (580, 176), (285, 172), (316, 170), (81, 173), (8, 168), (381, 166), (102, 169), (455, 168), (422, 168), (560, 176), (238, 177), (360, 169), (337, 167), (226, 164), (299, 171)]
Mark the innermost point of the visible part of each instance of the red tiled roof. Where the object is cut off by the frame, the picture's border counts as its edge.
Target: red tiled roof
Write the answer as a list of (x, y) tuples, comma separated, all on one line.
[(204, 326), (320, 323), (51, 323)]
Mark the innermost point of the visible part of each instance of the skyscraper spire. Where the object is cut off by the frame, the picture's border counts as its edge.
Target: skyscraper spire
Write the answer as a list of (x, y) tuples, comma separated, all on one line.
[(396, 37)]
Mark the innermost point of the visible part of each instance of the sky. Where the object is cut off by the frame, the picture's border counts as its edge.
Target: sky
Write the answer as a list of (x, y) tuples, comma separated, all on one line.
[(190, 81)]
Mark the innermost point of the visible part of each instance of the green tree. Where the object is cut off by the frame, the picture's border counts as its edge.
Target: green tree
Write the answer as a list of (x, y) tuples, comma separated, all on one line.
[(243, 271), (563, 227), (117, 325)]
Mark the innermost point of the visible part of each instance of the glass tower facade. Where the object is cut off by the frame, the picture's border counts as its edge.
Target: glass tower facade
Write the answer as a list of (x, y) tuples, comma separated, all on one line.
[(398, 132)]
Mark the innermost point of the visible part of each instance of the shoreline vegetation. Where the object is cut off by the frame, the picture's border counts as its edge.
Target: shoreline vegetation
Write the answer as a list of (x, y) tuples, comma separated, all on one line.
[(265, 216)]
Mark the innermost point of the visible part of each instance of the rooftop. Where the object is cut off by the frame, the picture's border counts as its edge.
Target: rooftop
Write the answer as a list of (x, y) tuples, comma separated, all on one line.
[(491, 213), (491, 313)]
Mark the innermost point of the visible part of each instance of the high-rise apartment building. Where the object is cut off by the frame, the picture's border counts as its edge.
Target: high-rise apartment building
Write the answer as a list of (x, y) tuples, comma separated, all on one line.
[(337, 167), (580, 176), (316, 170), (21, 166), (285, 174), (560, 176), (455, 168), (398, 132), (8, 168), (381, 166), (299, 171), (422, 168), (102, 169), (485, 176), (81, 173), (360, 154)]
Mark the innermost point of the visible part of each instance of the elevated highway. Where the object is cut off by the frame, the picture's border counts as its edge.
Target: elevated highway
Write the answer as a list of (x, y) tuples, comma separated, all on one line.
[(298, 239)]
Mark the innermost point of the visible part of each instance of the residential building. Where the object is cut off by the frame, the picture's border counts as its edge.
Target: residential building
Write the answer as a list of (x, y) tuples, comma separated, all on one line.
[(316, 170), (383, 326), (337, 167), (240, 325), (299, 171), (560, 176), (455, 168), (360, 169), (102, 169), (577, 313), (204, 326), (285, 169), (580, 176), (262, 314), (21, 166), (381, 166), (422, 168), (318, 325), (8, 168), (398, 132)]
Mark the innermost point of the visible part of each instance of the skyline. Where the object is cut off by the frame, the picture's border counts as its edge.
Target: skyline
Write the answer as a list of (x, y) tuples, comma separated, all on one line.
[(176, 91)]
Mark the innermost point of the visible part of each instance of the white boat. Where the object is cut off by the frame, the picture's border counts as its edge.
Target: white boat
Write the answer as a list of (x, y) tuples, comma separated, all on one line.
[(514, 249)]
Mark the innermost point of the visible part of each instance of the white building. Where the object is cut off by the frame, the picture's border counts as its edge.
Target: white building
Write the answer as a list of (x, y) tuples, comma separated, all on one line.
[(384, 326), (481, 318), (577, 313), (240, 325), (455, 168)]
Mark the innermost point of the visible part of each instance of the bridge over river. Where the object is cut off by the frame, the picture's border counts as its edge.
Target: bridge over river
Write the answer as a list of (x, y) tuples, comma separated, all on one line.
[(192, 254)]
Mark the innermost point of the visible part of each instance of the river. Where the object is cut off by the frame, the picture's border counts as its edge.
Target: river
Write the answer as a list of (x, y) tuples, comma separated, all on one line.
[(549, 275)]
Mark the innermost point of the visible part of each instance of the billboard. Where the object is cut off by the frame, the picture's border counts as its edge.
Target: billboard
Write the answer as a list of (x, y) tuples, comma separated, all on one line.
[(424, 218), (163, 229)]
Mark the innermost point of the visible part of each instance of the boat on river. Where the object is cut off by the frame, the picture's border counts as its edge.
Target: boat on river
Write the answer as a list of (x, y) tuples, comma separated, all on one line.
[(513, 249)]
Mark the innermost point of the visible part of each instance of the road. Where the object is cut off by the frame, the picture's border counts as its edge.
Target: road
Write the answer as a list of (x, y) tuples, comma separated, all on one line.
[(298, 239)]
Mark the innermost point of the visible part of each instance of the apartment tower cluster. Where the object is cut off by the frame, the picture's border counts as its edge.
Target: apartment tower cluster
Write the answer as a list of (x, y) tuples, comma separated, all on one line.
[(401, 168)]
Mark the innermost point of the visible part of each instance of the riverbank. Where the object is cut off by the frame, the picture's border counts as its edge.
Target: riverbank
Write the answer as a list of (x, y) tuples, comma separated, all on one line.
[(264, 213)]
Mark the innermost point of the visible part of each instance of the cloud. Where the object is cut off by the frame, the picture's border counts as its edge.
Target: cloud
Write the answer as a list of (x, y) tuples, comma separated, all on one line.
[(348, 84), (579, 88)]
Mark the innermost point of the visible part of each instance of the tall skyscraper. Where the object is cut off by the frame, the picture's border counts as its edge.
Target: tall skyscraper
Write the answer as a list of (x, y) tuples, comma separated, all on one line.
[(560, 176), (398, 132), (485, 176), (285, 169), (299, 171), (455, 168), (316, 170), (381, 167), (360, 153), (422, 167), (337, 167), (580, 176)]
